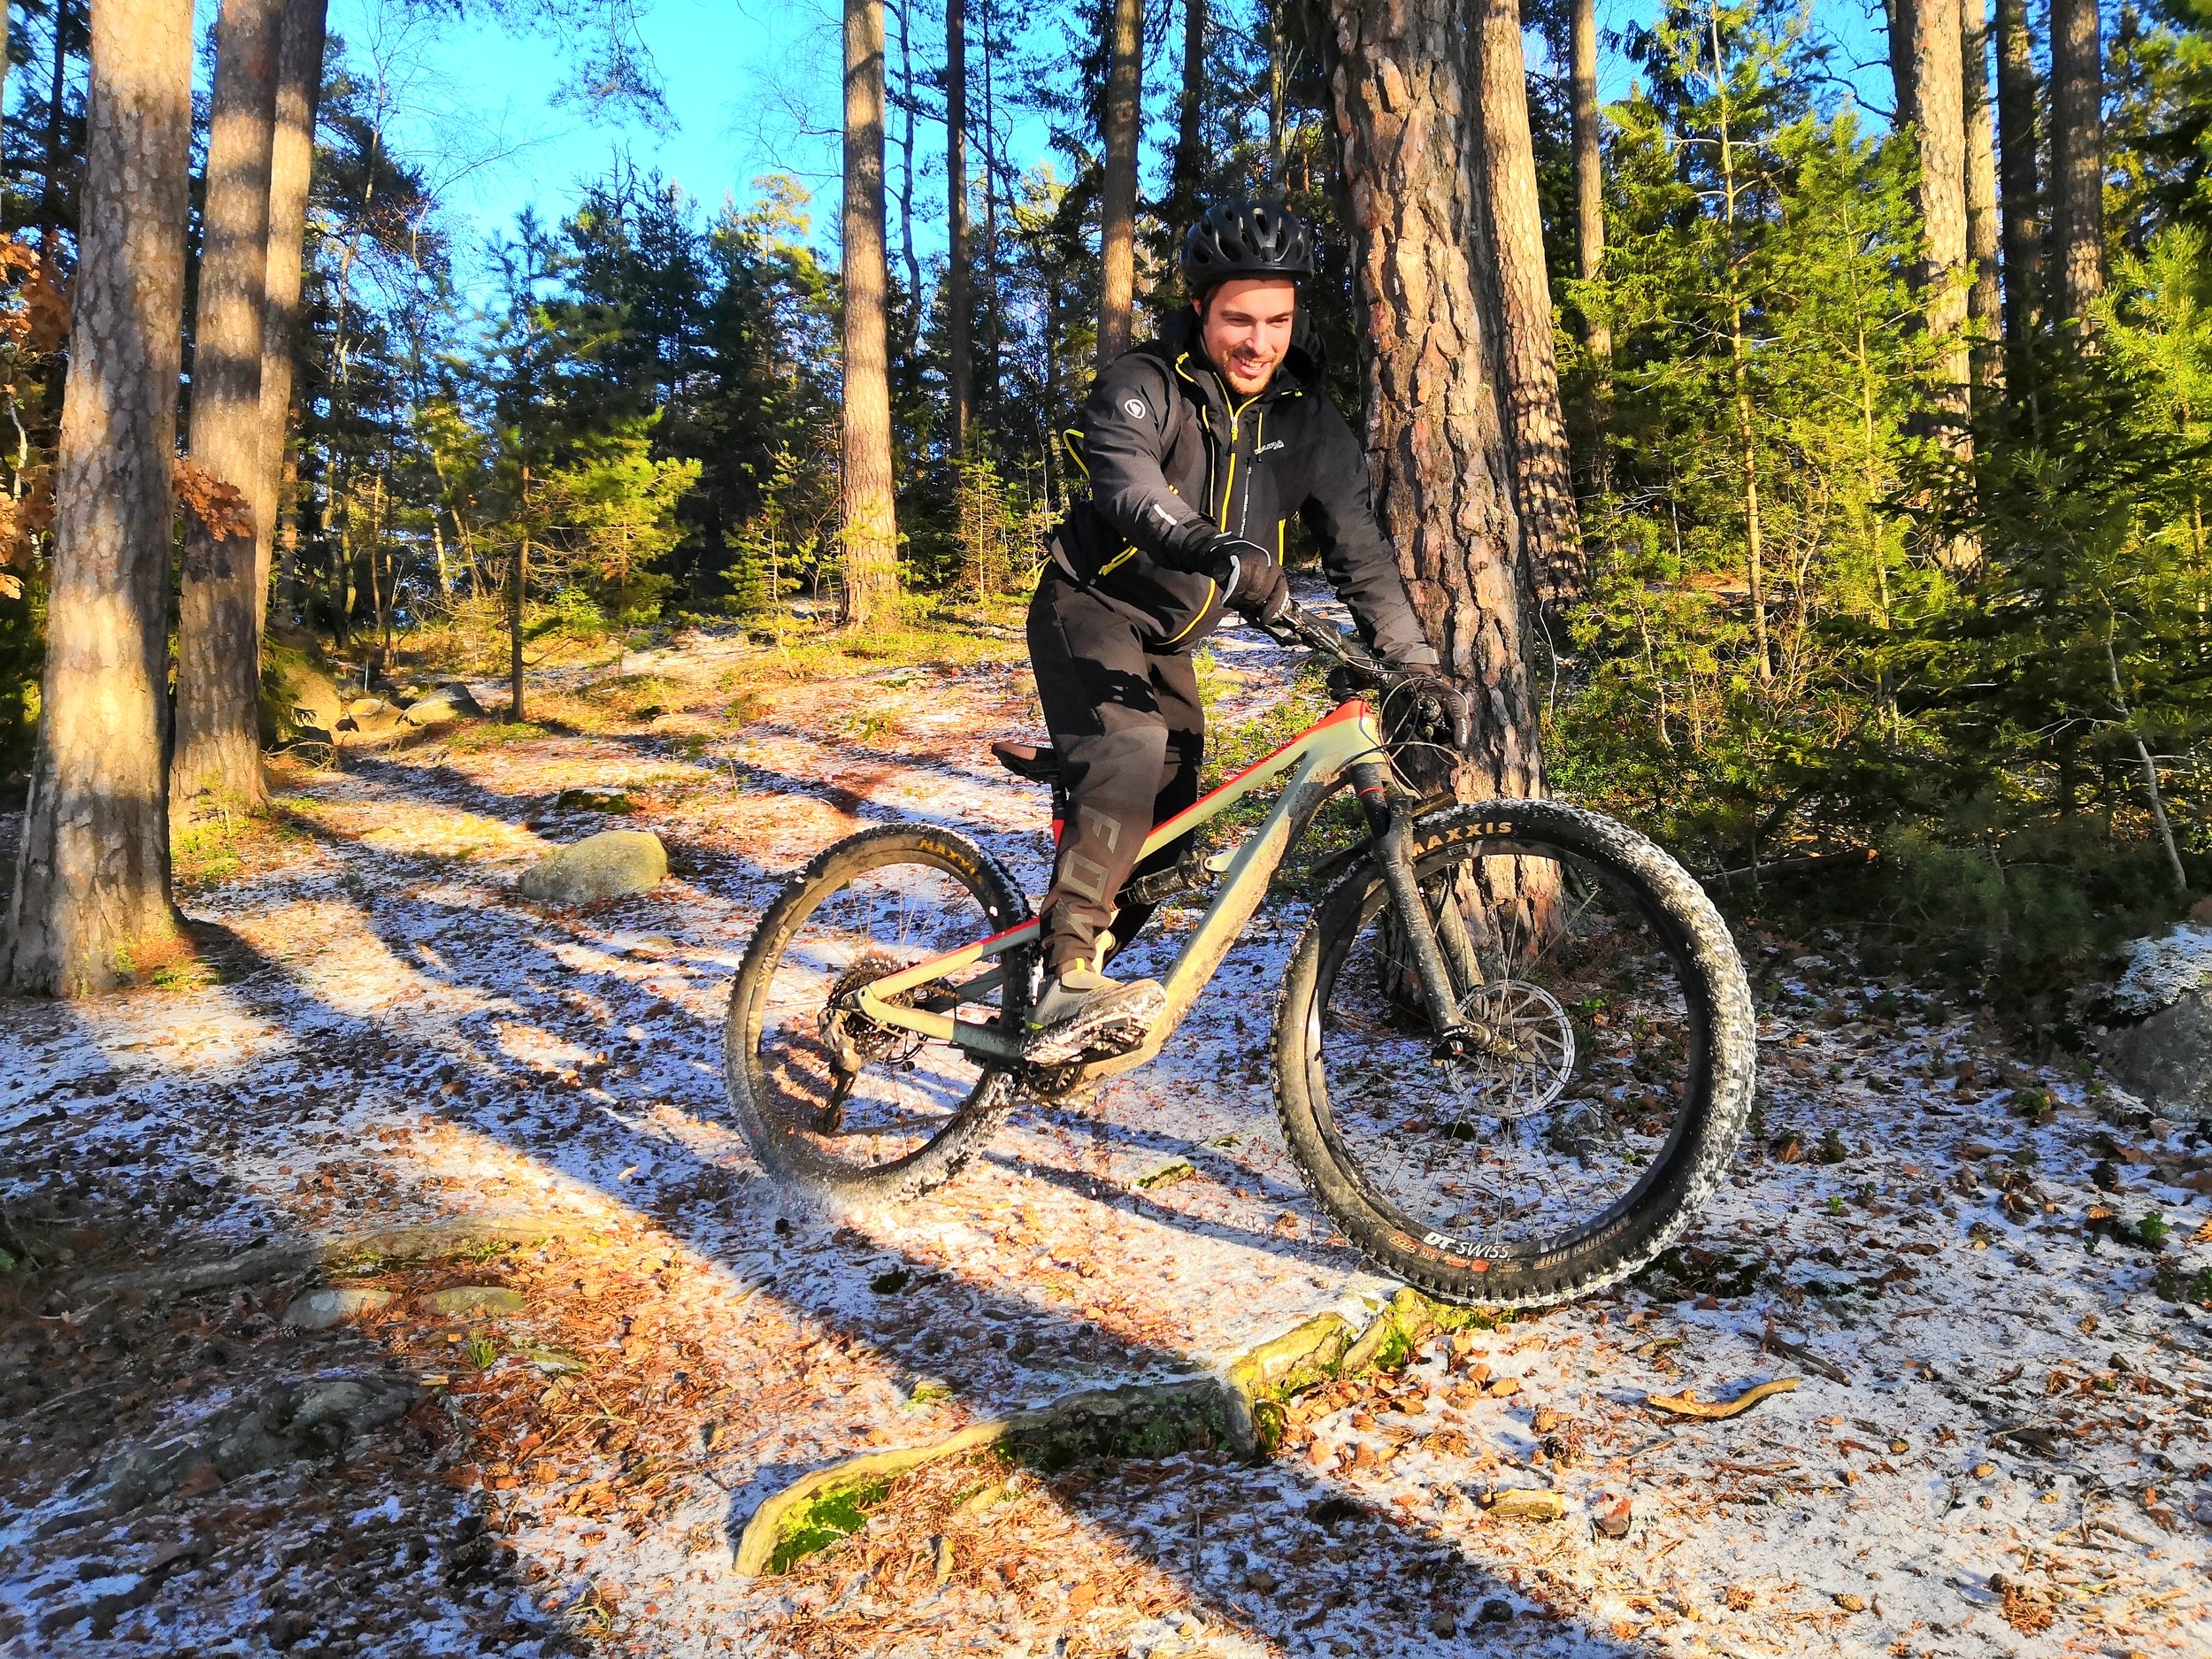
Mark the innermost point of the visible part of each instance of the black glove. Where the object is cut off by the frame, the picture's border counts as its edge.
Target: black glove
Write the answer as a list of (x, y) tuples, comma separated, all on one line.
[(1251, 580)]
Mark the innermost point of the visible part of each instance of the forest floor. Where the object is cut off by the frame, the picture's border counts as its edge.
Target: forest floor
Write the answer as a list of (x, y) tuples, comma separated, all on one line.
[(388, 1075)]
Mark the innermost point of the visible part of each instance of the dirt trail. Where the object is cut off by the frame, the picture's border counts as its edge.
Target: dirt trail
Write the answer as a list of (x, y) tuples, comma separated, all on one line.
[(2000, 1442)]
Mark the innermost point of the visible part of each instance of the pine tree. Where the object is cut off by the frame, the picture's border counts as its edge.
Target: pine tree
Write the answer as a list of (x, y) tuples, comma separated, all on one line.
[(91, 893)]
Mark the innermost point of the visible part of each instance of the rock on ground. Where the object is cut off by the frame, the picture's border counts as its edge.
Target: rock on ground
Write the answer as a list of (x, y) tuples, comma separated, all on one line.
[(604, 866), (453, 702), (320, 1309), (2158, 1038)]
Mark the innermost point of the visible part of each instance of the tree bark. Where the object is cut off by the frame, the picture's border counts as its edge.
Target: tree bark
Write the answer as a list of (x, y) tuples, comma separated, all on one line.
[(517, 595), (871, 551), (959, 357), (291, 163), (1984, 302), (1940, 90), (2020, 227), (49, 199), (92, 900), (219, 614), (1117, 189), (1739, 378), (1590, 197), (1278, 72), (1436, 425), (912, 260), (1543, 470), (992, 298), (1187, 173), (2077, 157), (1904, 71)]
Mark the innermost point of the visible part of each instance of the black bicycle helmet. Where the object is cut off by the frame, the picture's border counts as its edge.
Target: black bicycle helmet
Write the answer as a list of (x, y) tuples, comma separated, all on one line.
[(1244, 237)]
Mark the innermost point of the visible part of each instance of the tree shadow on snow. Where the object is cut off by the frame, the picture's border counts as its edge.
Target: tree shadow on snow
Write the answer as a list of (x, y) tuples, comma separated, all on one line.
[(999, 1348)]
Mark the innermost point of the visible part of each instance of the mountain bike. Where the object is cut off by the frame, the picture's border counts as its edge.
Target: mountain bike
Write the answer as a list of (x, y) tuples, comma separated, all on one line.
[(1513, 1046)]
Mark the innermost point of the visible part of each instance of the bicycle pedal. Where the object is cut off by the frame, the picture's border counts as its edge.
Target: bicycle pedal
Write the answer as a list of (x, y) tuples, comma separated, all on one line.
[(1082, 1041), (1117, 1039)]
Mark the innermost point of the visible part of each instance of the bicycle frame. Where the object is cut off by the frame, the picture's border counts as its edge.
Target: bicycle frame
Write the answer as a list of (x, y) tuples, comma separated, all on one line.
[(1346, 745)]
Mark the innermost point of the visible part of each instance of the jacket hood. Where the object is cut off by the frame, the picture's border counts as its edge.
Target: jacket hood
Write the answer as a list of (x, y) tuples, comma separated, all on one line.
[(1301, 366)]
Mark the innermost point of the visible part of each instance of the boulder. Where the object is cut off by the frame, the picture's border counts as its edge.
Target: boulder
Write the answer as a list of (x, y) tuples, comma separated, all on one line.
[(316, 1416), (2155, 1023), (451, 701), (369, 717), (320, 1309), (607, 866), (296, 697)]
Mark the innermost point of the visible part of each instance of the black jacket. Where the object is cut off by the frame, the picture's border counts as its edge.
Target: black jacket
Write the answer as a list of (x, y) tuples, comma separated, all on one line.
[(1173, 459)]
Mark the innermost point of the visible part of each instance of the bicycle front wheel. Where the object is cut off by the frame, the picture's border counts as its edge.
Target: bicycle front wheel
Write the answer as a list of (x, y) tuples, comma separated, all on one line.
[(830, 1101), (1616, 1049)]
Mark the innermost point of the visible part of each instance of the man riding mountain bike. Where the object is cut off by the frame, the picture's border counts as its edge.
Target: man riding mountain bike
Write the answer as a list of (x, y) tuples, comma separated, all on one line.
[(1198, 448)]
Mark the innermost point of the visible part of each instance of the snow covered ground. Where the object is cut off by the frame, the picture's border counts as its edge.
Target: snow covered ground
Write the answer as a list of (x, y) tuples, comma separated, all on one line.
[(399, 1078)]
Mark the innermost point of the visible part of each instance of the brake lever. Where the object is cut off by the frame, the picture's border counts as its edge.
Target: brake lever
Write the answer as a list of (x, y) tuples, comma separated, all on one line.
[(1299, 627)]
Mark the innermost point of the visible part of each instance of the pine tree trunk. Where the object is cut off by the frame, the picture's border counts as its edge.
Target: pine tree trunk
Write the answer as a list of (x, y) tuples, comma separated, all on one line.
[(2021, 232), (959, 366), (339, 563), (291, 163), (1277, 72), (1984, 303), (1740, 383), (2077, 157), (1543, 470), (1118, 189), (1904, 70), (872, 552), (49, 203), (908, 257), (1436, 424), (992, 297), (1188, 172), (217, 752), (517, 591), (1590, 202), (91, 897), (1940, 90)]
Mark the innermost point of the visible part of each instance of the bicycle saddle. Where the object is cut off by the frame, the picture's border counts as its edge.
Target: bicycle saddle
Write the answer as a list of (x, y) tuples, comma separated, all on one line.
[(1032, 761)]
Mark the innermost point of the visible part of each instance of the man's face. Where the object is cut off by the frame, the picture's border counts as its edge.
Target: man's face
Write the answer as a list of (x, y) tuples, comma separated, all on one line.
[(1245, 329)]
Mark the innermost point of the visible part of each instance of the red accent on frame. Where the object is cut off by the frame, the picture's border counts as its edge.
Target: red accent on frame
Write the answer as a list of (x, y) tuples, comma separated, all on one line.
[(1353, 710), (1058, 825), (1005, 932)]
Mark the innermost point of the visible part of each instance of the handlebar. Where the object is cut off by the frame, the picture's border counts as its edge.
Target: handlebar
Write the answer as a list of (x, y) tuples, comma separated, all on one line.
[(1431, 709), (1297, 625)]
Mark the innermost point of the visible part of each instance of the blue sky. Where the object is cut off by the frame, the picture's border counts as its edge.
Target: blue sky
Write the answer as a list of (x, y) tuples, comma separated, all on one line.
[(752, 86)]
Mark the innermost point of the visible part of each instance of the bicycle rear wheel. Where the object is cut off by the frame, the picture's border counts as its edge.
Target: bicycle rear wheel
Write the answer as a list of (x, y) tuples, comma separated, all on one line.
[(830, 1101), (1619, 1051)]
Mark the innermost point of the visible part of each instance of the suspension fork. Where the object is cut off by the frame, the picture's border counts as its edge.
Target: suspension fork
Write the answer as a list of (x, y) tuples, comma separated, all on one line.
[(1393, 836)]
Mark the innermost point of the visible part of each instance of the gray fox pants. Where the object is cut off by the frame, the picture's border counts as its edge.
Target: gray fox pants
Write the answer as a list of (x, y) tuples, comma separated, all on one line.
[(1130, 730)]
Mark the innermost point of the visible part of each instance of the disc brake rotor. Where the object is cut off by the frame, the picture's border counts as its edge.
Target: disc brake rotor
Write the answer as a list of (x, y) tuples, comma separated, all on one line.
[(1524, 1051)]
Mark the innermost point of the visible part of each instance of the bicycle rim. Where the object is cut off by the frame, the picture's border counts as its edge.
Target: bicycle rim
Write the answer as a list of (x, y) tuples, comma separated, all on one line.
[(1593, 1036), (844, 1097)]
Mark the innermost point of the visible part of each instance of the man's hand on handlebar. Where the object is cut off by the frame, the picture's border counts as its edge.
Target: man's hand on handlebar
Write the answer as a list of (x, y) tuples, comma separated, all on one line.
[(1251, 581)]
